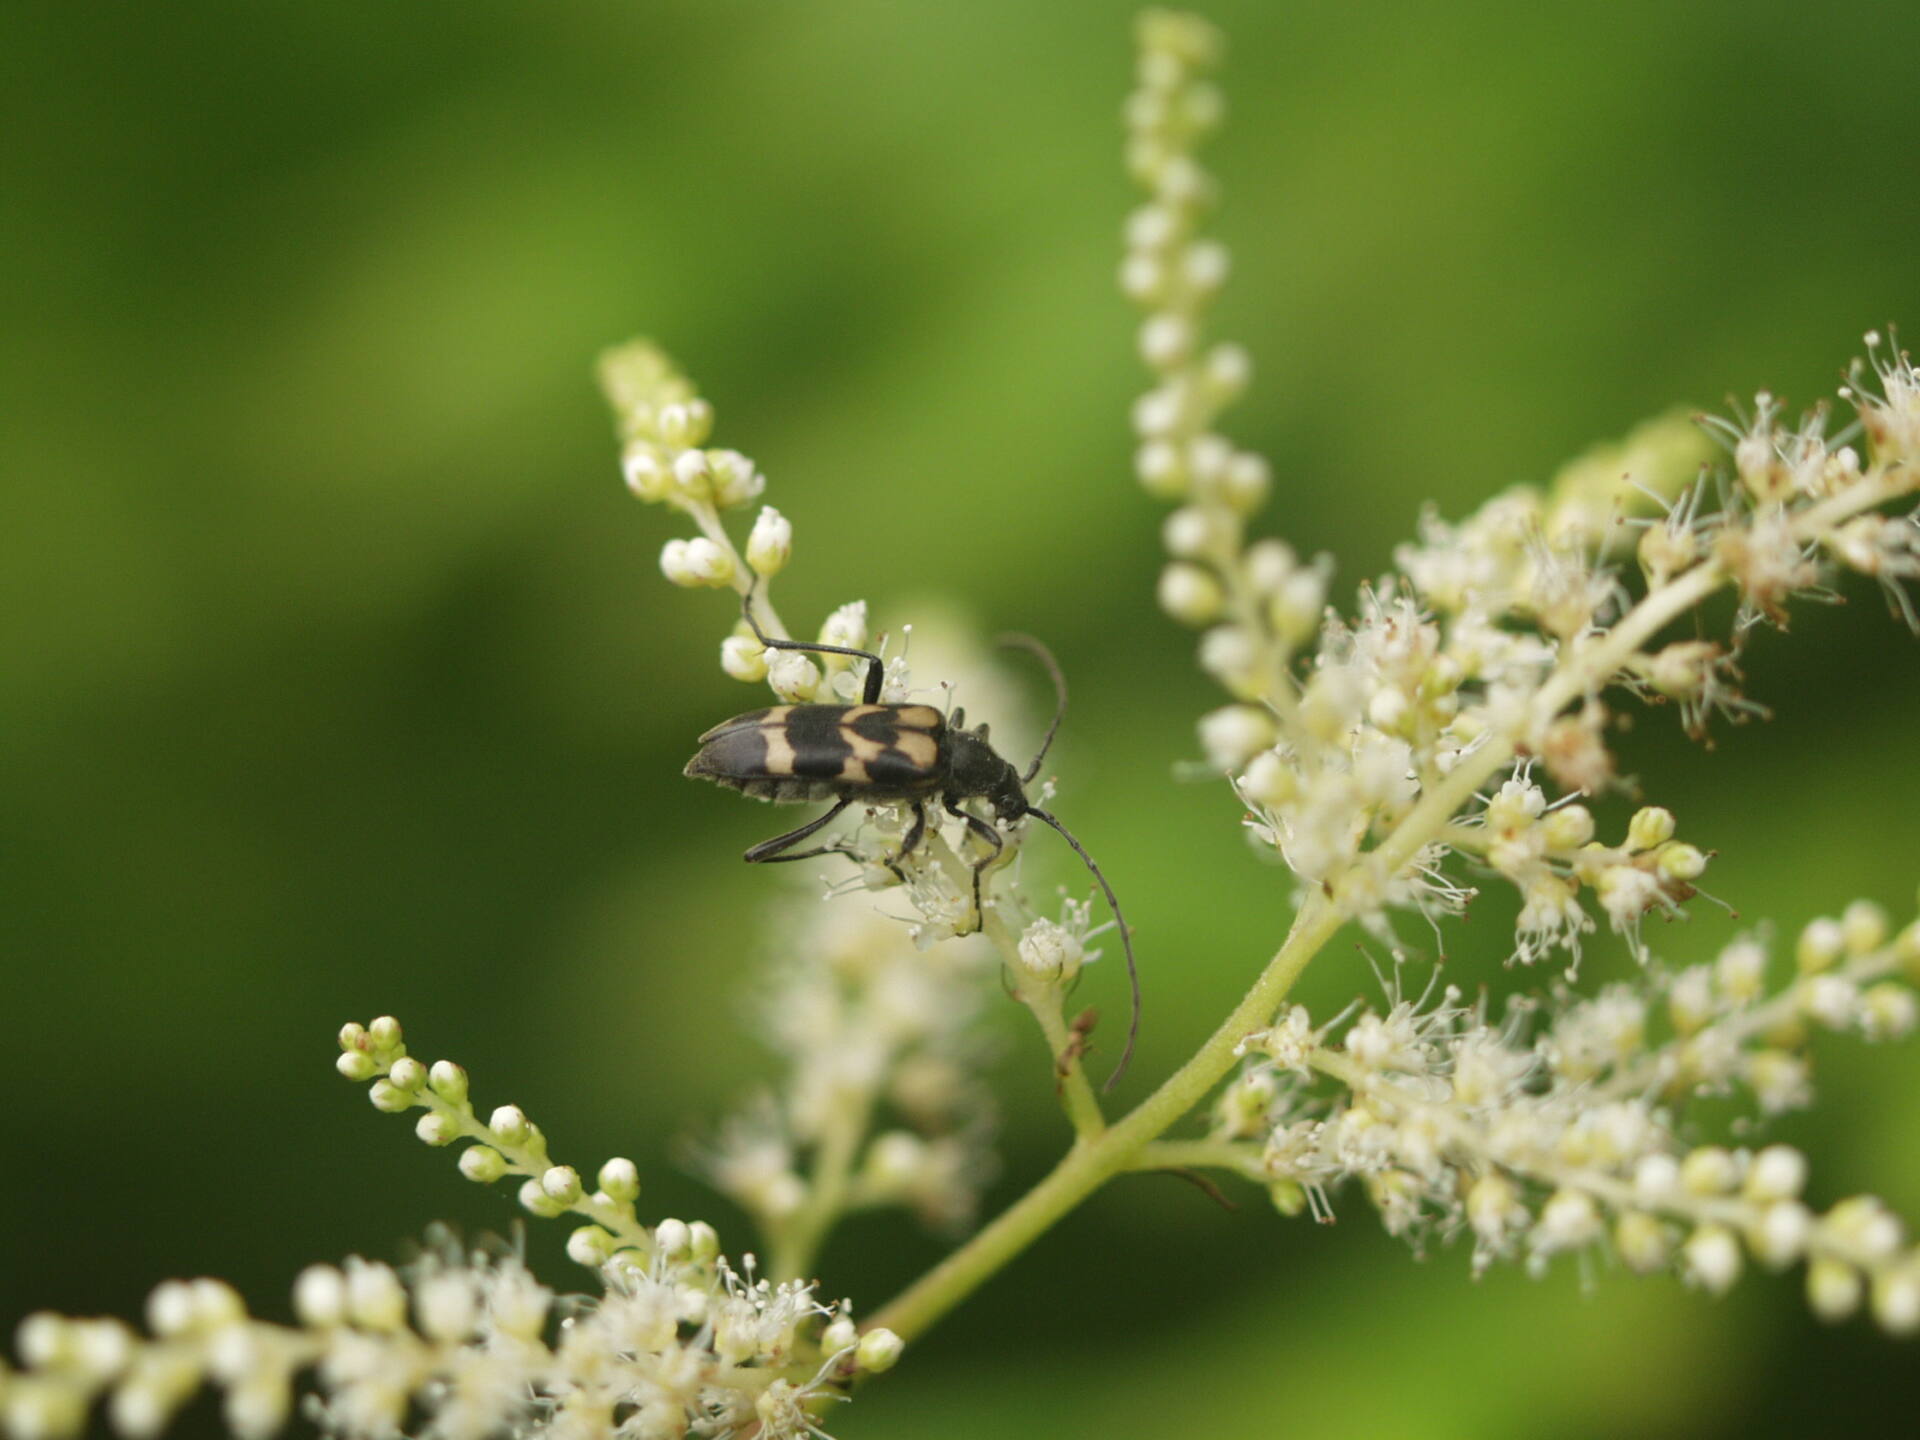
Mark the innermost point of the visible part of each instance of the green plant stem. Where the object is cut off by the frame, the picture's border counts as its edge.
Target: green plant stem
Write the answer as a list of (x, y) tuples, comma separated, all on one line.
[(795, 1244), (1206, 1154), (1076, 1091), (1090, 1163)]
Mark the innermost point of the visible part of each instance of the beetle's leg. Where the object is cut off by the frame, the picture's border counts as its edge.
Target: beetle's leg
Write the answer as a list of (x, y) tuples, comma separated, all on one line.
[(992, 836), (915, 833), (768, 851), (876, 671)]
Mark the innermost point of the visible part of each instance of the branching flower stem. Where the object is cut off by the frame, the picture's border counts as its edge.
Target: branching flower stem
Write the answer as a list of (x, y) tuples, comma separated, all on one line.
[(1092, 1162), (1097, 1156)]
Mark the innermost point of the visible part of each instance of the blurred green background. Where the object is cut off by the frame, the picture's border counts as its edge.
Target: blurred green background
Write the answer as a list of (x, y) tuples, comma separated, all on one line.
[(337, 677)]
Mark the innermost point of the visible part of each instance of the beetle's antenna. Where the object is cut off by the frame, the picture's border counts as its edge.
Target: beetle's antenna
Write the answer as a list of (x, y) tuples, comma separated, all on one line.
[(1126, 935), (1027, 642), (876, 667)]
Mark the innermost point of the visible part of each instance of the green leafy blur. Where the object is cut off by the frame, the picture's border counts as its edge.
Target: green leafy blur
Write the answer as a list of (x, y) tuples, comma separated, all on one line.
[(337, 677)]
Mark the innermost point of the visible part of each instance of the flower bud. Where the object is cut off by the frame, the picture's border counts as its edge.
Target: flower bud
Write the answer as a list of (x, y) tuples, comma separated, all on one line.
[(1189, 594), (590, 1246), (1780, 1236), (388, 1097), (449, 1081), (1234, 734), (482, 1164), (1888, 1011), (1712, 1258), (357, 1065), (688, 423), (1896, 1299), (620, 1180), (376, 1300), (708, 562), (744, 658), (1778, 1172), (847, 628), (1650, 827), (509, 1125), (447, 1305), (562, 1183), (1820, 946), (1231, 655), (1834, 1289), (1710, 1170), (1567, 828), (1226, 370), (734, 479), (1166, 341), (691, 474), (1863, 927), (879, 1350), (1050, 953), (1568, 1220), (436, 1127), (793, 676), (1656, 1179), (770, 544), (1644, 1243), (1682, 862), (1269, 780), (675, 566), (1245, 484), (646, 477), (1194, 532), (1161, 470), (536, 1201), (672, 1238), (320, 1297), (1268, 564)]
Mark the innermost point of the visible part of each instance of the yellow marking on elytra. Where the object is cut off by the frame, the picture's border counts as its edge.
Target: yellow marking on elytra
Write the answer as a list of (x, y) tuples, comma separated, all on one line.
[(917, 717), (855, 712), (863, 747), (776, 716), (918, 747), (853, 771), (780, 756)]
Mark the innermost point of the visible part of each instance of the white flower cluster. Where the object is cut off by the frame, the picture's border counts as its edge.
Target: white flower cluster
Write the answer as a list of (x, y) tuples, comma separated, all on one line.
[(879, 1103), (663, 425), (1496, 637), (1542, 1136), (679, 1344)]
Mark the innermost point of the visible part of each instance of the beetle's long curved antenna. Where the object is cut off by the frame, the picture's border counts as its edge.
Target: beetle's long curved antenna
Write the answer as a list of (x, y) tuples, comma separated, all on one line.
[(876, 668), (1126, 942), (1027, 642)]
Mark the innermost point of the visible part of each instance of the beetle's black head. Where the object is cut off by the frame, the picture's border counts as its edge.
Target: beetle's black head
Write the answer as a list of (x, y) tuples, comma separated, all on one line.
[(975, 768)]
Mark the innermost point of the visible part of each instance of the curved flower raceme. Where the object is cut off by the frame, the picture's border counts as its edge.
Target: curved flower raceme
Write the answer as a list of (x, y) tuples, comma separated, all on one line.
[(678, 1342), (1552, 1133)]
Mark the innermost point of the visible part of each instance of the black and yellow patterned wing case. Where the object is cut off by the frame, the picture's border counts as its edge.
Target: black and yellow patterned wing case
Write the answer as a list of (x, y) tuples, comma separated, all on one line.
[(795, 753)]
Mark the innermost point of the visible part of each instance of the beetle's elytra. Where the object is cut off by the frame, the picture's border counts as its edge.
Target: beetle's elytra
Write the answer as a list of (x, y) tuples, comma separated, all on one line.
[(899, 754), (790, 753)]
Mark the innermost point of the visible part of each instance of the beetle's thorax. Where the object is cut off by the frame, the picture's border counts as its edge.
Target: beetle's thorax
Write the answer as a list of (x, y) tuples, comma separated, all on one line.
[(975, 768)]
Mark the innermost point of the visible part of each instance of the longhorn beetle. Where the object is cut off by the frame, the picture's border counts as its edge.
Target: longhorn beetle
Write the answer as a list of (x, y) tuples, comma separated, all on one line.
[(791, 754)]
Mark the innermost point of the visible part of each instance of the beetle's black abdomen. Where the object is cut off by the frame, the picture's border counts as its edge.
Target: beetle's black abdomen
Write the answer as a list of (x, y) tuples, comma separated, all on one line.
[(816, 752)]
